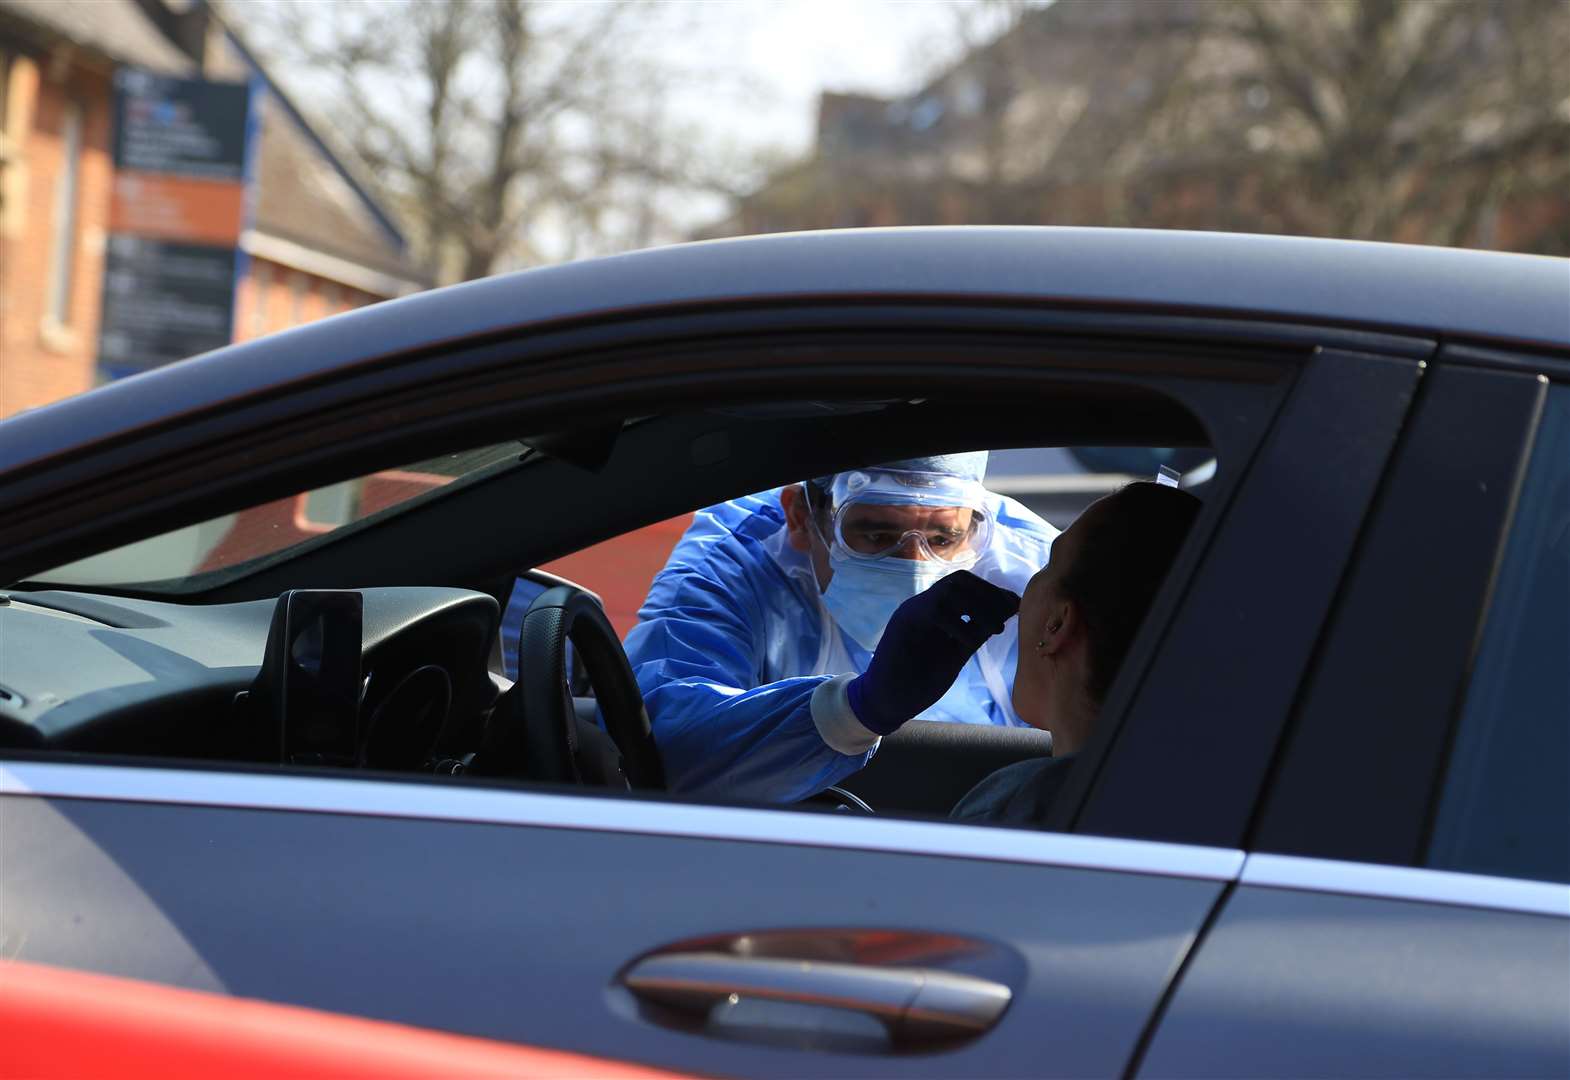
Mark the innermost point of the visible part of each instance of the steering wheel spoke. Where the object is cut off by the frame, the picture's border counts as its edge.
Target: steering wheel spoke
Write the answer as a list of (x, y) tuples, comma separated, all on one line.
[(536, 732)]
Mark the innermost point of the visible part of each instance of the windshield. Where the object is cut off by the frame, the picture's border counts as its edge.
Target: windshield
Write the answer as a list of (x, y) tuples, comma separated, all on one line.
[(196, 554)]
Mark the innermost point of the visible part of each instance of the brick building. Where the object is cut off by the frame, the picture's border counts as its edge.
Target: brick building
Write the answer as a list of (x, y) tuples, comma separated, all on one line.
[(318, 243)]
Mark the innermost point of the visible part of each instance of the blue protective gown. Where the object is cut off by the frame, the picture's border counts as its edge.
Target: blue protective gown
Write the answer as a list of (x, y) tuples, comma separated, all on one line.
[(734, 639)]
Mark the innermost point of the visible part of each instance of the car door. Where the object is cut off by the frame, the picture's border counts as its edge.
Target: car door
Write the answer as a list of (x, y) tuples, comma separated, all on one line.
[(765, 942), (1405, 906), (521, 915)]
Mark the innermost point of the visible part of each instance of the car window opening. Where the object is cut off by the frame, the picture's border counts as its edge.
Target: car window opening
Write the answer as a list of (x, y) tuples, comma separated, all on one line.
[(421, 705)]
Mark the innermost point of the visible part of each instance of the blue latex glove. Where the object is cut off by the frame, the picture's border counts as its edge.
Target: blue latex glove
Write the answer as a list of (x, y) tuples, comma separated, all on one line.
[(927, 643)]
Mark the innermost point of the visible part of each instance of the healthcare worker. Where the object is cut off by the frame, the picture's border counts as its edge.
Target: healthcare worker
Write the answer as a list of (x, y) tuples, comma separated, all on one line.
[(756, 647)]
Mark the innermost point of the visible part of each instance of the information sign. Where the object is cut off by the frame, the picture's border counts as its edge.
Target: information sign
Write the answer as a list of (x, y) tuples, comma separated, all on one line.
[(182, 156)]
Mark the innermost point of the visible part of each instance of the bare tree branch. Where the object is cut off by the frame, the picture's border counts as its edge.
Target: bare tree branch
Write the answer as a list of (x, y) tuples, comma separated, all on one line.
[(487, 121)]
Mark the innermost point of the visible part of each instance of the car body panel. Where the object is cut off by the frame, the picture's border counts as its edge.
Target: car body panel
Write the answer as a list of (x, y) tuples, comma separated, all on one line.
[(519, 933), (1292, 983)]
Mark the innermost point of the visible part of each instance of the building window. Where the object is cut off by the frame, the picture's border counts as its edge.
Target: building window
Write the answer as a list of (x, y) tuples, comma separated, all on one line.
[(62, 261), (261, 285)]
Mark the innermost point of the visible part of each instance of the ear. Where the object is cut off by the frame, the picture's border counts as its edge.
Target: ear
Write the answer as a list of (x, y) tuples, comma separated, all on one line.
[(798, 517), (1063, 626)]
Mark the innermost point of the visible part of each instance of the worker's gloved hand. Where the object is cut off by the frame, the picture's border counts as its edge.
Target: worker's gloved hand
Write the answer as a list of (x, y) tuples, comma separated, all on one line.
[(925, 646)]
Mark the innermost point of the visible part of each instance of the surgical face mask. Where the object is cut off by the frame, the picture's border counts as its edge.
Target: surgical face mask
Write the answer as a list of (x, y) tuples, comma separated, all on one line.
[(863, 593)]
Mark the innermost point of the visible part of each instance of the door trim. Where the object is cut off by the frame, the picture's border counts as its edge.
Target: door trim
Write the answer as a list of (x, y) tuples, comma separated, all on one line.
[(481, 805), (1407, 883)]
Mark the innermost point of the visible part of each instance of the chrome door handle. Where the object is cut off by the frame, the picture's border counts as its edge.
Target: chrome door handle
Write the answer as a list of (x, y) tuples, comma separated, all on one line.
[(915, 1004)]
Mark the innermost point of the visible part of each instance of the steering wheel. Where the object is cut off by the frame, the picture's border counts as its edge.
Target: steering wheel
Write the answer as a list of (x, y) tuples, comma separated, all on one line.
[(837, 798), (541, 734)]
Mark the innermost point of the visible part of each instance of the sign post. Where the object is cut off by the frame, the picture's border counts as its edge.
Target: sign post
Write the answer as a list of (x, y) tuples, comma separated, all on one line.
[(182, 151)]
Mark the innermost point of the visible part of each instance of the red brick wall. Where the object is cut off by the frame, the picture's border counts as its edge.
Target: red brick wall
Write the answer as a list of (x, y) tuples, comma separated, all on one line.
[(274, 287), (39, 361), (42, 362)]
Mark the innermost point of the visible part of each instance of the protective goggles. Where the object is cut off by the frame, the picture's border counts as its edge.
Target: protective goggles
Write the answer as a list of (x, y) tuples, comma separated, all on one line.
[(877, 514)]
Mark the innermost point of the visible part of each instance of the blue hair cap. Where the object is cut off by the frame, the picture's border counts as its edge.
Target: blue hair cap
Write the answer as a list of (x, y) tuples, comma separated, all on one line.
[(972, 466)]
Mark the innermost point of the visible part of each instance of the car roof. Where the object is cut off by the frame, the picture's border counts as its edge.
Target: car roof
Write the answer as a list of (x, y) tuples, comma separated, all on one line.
[(1489, 296)]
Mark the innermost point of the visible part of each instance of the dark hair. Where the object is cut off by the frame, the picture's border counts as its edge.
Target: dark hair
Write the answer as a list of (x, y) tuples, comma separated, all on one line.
[(819, 497), (1125, 553)]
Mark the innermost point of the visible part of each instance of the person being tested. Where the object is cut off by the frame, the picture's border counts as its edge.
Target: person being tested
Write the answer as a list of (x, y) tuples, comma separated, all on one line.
[(768, 651), (1082, 612)]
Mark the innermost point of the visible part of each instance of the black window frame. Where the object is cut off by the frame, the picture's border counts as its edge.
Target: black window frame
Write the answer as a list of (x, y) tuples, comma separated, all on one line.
[(1195, 723), (1464, 730), (1359, 774)]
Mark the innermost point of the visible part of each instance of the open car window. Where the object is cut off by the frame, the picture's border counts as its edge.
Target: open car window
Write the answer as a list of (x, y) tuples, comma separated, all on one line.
[(446, 555)]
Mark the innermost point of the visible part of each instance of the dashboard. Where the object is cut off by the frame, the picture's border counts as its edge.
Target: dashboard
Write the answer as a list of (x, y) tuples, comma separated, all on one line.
[(89, 673)]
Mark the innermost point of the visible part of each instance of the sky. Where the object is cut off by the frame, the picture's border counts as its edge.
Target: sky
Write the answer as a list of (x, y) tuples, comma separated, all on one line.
[(793, 49)]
